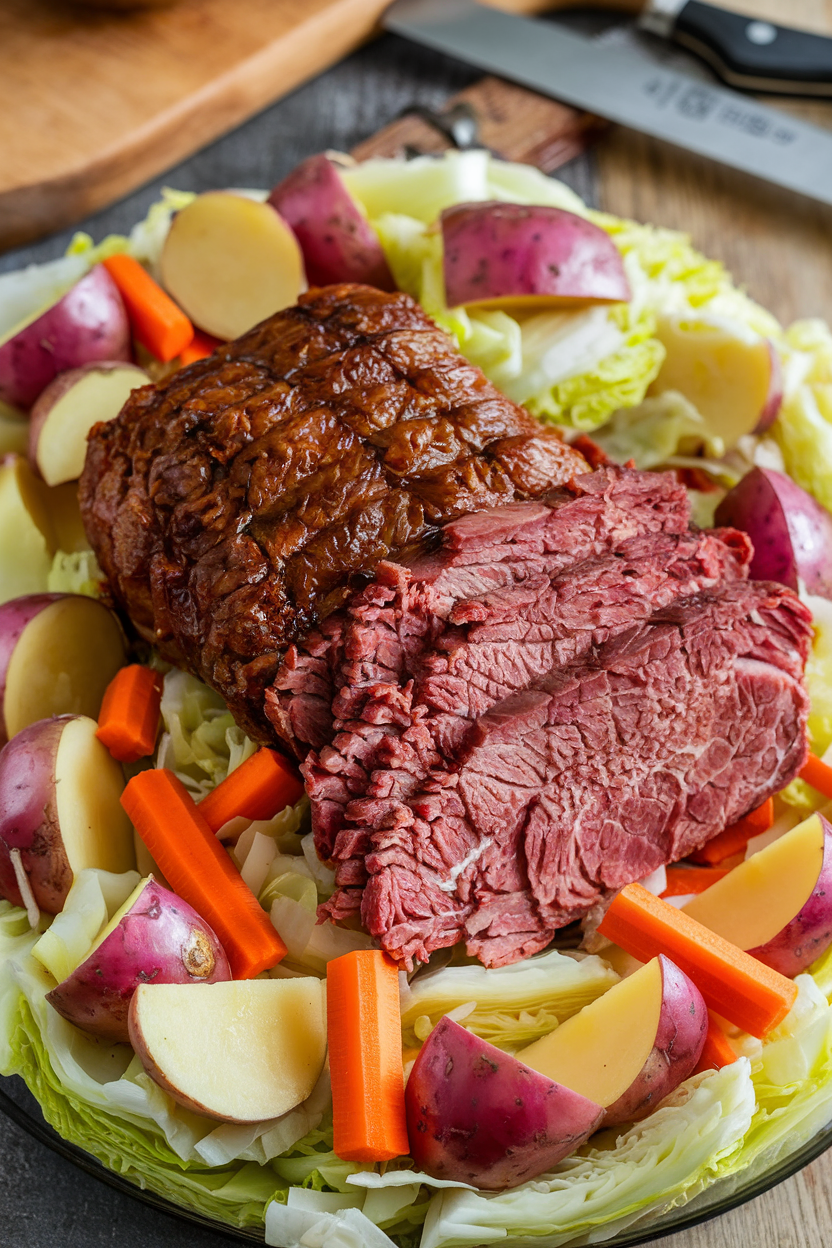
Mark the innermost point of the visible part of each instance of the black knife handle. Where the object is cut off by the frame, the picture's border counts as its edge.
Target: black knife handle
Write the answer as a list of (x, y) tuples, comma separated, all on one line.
[(755, 54)]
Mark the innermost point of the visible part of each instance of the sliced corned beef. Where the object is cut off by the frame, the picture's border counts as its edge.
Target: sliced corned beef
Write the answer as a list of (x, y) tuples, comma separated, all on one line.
[(622, 761), (432, 669)]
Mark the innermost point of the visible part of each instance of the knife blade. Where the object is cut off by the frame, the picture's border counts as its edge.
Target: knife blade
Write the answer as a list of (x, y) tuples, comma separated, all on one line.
[(624, 83)]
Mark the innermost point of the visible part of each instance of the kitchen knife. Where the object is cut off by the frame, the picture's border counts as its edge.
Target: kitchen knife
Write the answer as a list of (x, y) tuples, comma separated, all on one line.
[(746, 52), (622, 81)]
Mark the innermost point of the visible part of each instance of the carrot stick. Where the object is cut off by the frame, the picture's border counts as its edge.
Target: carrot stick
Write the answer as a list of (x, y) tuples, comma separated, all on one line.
[(818, 774), (734, 839), (747, 992), (129, 717), (199, 348), (257, 789), (682, 880), (200, 871), (364, 1034), (717, 1050), (157, 322)]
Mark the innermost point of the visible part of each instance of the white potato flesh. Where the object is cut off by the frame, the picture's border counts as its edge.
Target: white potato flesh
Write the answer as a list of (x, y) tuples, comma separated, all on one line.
[(88, 785), (68, 408), (26, 533), (63, 661), (242, 1051), (600, 1051), (230, 262), (761, 896), (729, 373)]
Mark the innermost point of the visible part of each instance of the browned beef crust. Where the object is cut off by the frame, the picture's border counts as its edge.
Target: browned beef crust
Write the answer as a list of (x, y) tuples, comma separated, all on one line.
[(238, 502)]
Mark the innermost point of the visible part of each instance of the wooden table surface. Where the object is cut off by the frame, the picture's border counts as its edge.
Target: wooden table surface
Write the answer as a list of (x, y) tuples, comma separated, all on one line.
[(778, 246)]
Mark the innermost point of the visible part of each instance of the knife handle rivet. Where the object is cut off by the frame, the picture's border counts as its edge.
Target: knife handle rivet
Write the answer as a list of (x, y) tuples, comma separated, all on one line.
[(760, 33)]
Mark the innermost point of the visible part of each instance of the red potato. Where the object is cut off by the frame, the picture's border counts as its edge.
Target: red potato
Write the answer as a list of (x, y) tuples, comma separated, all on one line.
[(508, 253), (632, 1046), (336, 239), (266, 1050), (230, 262), (777, 905), (68, 408), (155, 937), (790, 531), (88, 323), (477, 1115), (730, 374), (58, 653), (60, 810)]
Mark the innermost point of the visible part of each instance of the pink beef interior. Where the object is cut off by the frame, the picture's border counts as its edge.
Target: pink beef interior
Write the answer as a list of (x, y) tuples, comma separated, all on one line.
[(566, 695)]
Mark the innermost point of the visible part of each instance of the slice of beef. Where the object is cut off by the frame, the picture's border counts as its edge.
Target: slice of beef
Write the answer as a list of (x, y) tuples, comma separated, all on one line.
[(240, 500), (406, 610), (628, 758), (390, 689)]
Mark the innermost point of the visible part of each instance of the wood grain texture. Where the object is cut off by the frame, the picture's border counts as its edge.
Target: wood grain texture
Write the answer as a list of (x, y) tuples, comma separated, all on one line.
[(92, 104), (512, 122)]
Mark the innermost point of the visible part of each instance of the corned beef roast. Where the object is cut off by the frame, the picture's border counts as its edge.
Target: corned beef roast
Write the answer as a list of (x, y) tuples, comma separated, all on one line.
[(236, 502), (508, 709), (567, 695)]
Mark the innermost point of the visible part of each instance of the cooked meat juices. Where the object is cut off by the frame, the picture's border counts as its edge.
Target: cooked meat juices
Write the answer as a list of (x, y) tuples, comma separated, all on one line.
[(234, 504), (507, 708)]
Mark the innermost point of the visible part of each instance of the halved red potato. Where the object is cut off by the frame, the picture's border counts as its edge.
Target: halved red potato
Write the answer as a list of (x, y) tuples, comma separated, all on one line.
[(58, 653), (155, 937), (27, 535), (229, 262), (337, 240), (35, 521), (632, 1046), (790, 531), (60, 810), (68, 408), (777, 905), (88, 323), (265, 1053), (477, 1115), (730, 374), (528, 254)]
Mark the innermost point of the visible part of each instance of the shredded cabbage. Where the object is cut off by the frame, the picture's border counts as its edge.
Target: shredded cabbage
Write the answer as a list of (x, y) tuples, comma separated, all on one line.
[(75, 573), (200, 743)]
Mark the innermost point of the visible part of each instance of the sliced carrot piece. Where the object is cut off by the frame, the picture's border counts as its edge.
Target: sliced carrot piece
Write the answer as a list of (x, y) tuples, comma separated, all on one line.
[(157, 322), (198, 868), (257, 789), (717, 1050), (734, 839), (128, 721), (747, 992), (818, 774), (682, 880), (199, 348), (365, 1057)]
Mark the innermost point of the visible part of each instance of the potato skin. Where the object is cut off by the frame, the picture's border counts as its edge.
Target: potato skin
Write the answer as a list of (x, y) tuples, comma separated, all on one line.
[(54, 392), (680, 1035), (791, 532), (29, 815), (88, 323), (337, 242), (14, 616), (496, 251), (161, 939), (796, 946), (479, 1116)]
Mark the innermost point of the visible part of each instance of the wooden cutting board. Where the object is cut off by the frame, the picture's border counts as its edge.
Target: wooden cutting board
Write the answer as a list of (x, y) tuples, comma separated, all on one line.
[(93, 104)]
